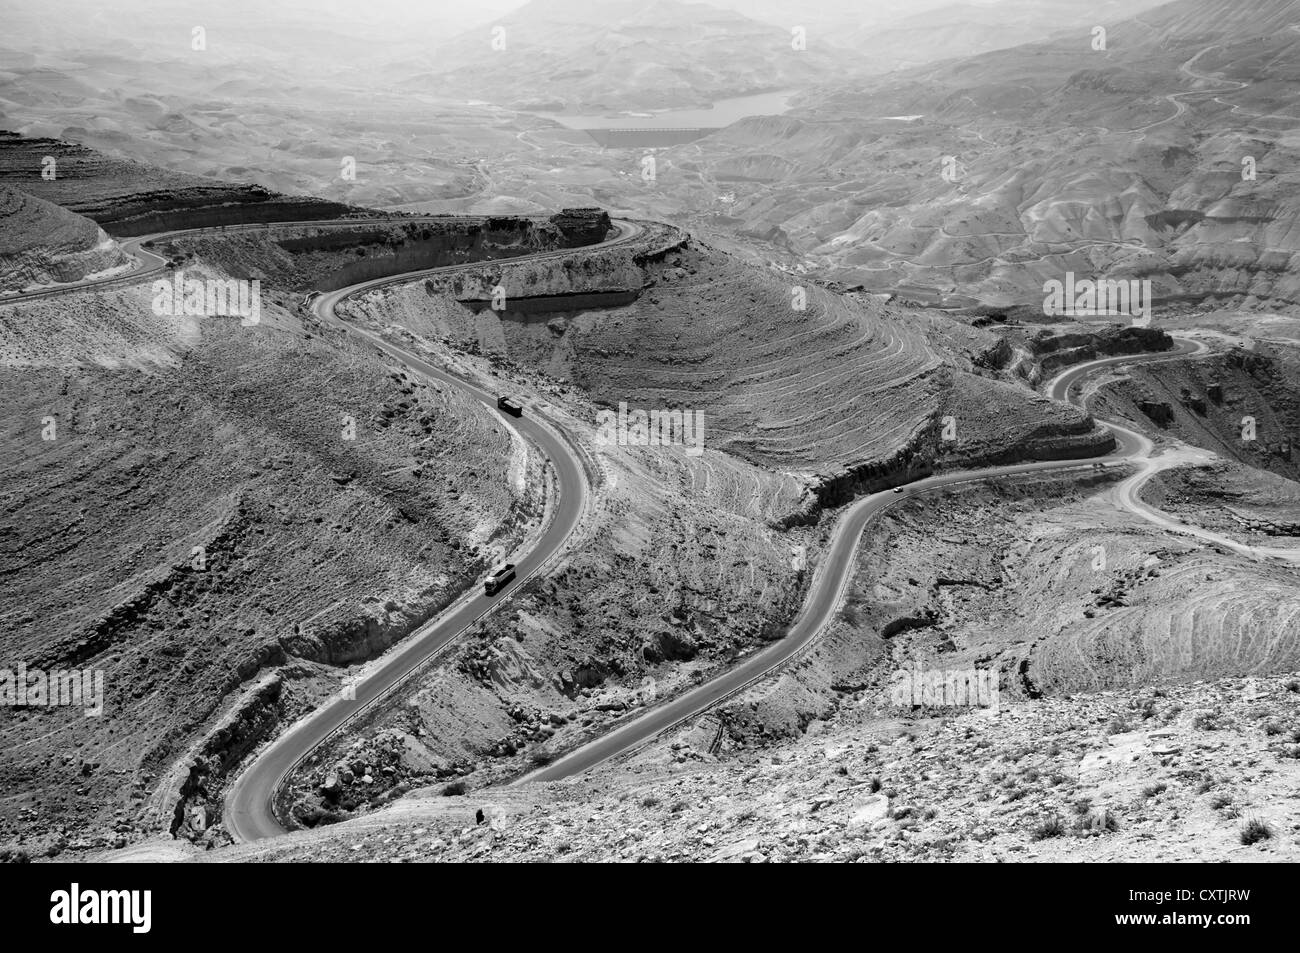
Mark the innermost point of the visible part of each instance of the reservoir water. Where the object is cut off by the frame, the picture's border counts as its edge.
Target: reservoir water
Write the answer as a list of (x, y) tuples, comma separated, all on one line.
[(723, 113)]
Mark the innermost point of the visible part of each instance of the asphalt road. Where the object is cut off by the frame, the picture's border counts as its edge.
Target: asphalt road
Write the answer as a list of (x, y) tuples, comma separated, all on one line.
[(248, 808), (149, 264), (249, 813), (829, 583)]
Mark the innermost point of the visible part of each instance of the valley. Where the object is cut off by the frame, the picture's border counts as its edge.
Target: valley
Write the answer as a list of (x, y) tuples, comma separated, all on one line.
[(645, 422)]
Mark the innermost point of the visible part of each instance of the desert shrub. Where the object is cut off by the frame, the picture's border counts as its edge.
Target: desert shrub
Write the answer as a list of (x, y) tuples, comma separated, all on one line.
[(1206, 721), (1095, 824), (455, 789), (1053, 826), (1254, 831)]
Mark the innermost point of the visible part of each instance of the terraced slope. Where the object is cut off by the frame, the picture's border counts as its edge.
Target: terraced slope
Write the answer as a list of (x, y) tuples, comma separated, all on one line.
[(839, 392), (1204, 616)]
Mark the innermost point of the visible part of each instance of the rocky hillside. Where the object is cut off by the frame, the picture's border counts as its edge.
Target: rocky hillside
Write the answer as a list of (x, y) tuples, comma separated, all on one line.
[(42, 244), (1200, 772), (1253, 506), (837, 390), (218, 518), (1243, 404), (1135, 723), (688, 560)]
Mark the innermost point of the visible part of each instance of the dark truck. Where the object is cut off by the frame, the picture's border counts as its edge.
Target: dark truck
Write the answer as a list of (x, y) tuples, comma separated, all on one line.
[(492, 585), (510, 407)]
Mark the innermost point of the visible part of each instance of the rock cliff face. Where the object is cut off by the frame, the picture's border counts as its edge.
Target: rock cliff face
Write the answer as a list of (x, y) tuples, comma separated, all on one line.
[(42, 244), (582, 226), (324, 259), (1243, 405), (129, 198)]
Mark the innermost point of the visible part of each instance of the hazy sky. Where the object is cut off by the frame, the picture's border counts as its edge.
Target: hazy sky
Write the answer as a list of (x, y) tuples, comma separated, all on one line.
[(51, 19)]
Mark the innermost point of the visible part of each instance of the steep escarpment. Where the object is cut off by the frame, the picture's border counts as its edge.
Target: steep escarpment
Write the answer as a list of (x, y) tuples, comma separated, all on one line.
[(1051, 350), (42, 244), (128, 198), (324, 258)]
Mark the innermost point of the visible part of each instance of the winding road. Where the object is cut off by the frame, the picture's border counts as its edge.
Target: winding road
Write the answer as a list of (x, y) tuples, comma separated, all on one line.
[(1180, 107), (249, 809), (249, 812), (249, 805), (835, 570)]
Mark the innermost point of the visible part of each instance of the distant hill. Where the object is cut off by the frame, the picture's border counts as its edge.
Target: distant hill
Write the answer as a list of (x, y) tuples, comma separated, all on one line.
[(1124, 161), (572, 55)]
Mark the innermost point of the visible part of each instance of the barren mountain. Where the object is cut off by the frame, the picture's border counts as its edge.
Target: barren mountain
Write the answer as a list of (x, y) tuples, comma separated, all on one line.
[(625, 55), (999, 171)]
